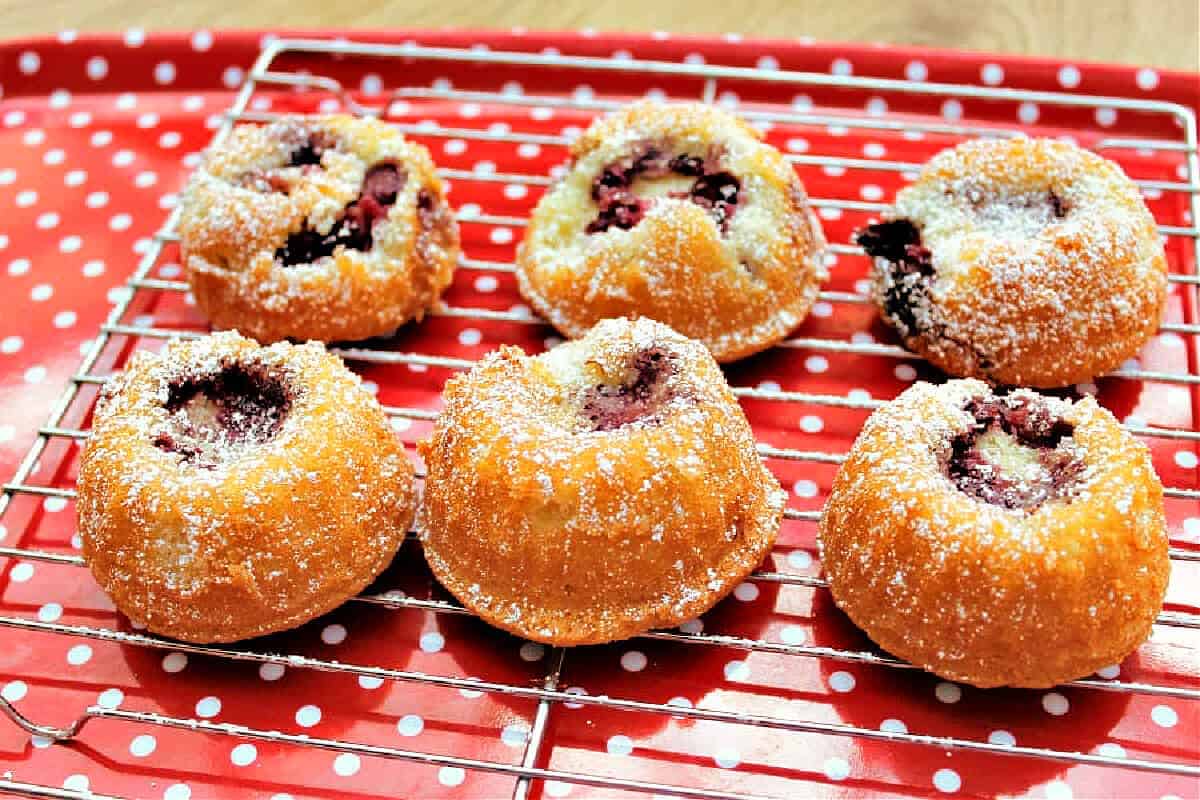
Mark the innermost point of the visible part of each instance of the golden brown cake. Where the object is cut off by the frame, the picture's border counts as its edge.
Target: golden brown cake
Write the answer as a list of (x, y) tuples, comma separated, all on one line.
[(231, 490), (999, 540), (1020, 261), (596, 491), (679, 213), (329, 228)]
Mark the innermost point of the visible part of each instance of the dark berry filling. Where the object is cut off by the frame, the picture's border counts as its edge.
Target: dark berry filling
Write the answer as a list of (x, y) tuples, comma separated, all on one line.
[(620, 206), (309, 150), (1025, 465), (354, 229), (213, 415), (639, 397), (910, 266)]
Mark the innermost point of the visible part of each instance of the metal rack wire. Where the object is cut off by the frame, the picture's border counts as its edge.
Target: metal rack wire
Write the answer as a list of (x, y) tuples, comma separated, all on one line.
[(549, 693)]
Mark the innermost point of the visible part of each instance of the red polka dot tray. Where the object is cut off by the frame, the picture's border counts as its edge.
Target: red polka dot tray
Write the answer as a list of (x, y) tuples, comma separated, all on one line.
[(400, 694)]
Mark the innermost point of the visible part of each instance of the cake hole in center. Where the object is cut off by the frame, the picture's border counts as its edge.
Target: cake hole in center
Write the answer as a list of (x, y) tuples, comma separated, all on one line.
[(353, 230), (625, 190), (643, 392), (215, 416), (1017, 216), (1015, 455)]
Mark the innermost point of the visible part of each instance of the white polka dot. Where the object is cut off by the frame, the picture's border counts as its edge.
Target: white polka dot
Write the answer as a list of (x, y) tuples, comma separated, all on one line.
[(50, 612), (410, 725), (916, 71), (1111, 750), (529, 150), (369, 682), (70, 244), (142, 745), (816, 364), (727, 758), (432, 642), (202, 40), (144, 180), (14, 118), (19, 266), (633, 661), (810, 423), (147, 120), (93, 269), (992, 74), (841, 66), (515, 734), (77, 783), (451, 776), (1147, 79), (123, 158), (952, 109), (346, 764), (746, 592), (135, 37), (469, 337), (14, 691), (800, 559), (110, 698), (232, 77), (948, 692), (48, 220), (26, 198), (1069, 76), (7, 176), (737, 671), (13, 344), (486, 283), (169, 140), (1002, 737), (1058, 790), (79, 654), (101, 138), (54, 157), (35, 374), (54, 504), (619, 745), (64, 319), (208, 707), (947, 780), (501, 235), (79, 119), (308, 716), (1164, 716), (1109, 672), (877, 106), (1186, 459), (97, 68), (164, 73), (804, 488), (515, 191), (892, 725), (532, 651), (1055, 703), (96, 200), (34, 138), (120, 222), (243, 755), (1106, 117), (400, 424), (792, 634), (333, 634), (841, 682), (178, 791), (174, 662), (126, 101), (905, 372), (469, 110), (1028, 113), (556, 788), (29, 62), (836, 768)]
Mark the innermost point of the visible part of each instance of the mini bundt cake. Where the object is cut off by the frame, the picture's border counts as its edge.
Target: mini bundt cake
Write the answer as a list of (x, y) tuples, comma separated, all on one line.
[(1021, 262), (682, 214), (231, 490), (999, 540), (329, 228), (606, 487)]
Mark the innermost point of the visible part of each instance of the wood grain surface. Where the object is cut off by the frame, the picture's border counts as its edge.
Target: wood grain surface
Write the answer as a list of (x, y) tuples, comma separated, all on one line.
[(1161, 33)]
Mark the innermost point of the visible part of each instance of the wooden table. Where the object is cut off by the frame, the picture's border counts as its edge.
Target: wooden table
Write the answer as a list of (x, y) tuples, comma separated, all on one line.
[(1161, 33)]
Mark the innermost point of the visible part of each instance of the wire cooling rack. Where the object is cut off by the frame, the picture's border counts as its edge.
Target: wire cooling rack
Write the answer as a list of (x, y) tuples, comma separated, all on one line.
[(908, 118)]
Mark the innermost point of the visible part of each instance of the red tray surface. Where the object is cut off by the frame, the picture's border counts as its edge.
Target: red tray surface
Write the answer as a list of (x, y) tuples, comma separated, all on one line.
[(96, 138)]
